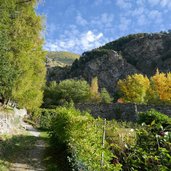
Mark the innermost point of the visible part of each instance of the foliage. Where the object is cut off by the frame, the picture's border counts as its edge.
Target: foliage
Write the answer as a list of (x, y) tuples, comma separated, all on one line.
[(105, 96), (146, 147), (94, 90), (160, 91), (139, 89), (22, 57), (82, 135), (154, 116), (152, 151), (88, 56), (42, 118), (134, 88), (66, 91), (118, 45)]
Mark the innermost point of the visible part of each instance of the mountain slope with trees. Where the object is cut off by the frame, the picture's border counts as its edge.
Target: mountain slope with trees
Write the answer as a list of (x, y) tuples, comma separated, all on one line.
[(137, 53)]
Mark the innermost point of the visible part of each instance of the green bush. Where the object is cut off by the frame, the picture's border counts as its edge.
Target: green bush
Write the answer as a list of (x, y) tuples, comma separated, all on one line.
[(153, 115), (152, 150), (148, 147), (105, 97), (43, 117), (65, 92), (82, 135)]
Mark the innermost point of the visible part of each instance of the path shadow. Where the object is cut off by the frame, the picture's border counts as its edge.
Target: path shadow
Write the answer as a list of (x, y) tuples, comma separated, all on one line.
[(56, 159), (29, 153), (22, 152)]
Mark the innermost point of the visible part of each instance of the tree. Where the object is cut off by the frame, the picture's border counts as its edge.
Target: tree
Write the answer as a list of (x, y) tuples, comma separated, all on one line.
[(67, 91), (160, 91), (134, 88), (94, 90), (21, 53), (105, 97)]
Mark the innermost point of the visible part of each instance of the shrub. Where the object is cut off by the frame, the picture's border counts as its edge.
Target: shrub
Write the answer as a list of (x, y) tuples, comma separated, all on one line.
[(82, 135), (105, 97), (43, 117), (66, 91), (154, 116), (152, 150), (146, 147)]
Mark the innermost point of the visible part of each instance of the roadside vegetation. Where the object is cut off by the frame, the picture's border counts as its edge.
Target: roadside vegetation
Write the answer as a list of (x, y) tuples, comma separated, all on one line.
[(74, 140)]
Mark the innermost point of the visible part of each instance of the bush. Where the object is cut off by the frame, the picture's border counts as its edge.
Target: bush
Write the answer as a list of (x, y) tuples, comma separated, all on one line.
[(43, 117), (65, 92), (146, 147), (154, 116), (105, 97), (152, 150), (82, 135)]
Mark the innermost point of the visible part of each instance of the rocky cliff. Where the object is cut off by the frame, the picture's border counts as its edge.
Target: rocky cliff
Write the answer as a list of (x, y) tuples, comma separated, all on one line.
[(139, 53)]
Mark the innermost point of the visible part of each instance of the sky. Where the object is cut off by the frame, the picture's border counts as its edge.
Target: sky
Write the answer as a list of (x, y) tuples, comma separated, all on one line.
[(81, 25)]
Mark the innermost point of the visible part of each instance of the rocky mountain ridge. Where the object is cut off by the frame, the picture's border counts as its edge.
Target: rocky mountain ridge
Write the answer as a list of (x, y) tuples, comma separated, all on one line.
[(138, 53)]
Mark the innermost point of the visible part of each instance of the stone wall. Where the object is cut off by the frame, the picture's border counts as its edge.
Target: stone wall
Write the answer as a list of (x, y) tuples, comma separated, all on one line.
[(125, 112), (10, 120)]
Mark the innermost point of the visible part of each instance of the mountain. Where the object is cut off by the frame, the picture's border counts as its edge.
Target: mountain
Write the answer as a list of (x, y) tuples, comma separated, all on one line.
[(61, 58), (137, 53)]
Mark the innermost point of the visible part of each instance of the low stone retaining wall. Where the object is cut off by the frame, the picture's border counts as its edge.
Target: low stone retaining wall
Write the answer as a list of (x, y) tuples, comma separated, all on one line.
[(118, 111), (10, 120)]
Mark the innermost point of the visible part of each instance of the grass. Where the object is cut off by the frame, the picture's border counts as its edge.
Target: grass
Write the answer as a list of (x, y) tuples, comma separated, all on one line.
[(14, 149), (66, 58), (54, 158)]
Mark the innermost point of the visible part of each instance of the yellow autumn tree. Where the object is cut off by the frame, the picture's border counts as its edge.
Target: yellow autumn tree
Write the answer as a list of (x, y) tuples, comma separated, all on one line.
[(134, 88), (160, 88), (94, 90)]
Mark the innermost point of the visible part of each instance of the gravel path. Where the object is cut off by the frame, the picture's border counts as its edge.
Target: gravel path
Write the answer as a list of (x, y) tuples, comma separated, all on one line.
[(32, 161)]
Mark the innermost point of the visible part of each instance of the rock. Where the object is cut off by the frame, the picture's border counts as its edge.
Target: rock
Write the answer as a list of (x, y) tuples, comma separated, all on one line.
[(138, 53)]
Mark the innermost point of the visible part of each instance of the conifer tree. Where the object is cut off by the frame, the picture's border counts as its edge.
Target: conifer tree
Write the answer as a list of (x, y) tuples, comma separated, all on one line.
[(105, 96), (21, 50), (94, 90)]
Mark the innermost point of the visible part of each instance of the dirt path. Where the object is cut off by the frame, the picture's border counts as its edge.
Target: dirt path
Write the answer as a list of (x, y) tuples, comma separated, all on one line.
[(32, 158)]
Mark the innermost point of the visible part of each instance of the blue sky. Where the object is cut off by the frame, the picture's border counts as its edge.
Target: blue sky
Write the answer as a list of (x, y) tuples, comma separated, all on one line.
[(81, 25)]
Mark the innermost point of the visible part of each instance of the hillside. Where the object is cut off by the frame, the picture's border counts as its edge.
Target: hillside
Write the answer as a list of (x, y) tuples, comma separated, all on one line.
[(55, 58), (138, 53)]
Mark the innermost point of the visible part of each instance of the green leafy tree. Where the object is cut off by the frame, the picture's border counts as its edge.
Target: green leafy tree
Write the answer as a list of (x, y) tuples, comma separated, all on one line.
[(66, 91), (105, 96), (21, 53)]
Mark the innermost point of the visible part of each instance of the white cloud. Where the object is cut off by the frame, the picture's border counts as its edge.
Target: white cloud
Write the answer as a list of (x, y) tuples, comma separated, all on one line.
[(162, 3), (103, 21), (126, 4), (99, 2), (80, 20), (140, 2), (91, 37), (154, 2), (77, 43)]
